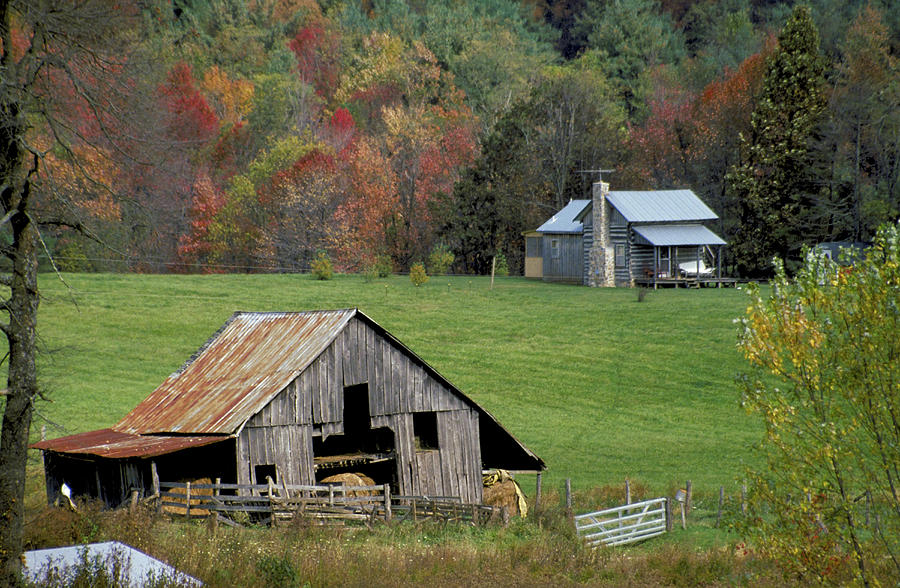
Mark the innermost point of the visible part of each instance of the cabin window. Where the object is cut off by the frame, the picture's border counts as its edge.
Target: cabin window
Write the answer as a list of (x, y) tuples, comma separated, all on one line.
[(263, 471), (620, 255), (532, 246), (554, 248), (425, 430)]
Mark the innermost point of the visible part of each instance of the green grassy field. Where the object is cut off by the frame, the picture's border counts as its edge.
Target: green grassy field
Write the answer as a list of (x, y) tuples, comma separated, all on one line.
[(601, 386)]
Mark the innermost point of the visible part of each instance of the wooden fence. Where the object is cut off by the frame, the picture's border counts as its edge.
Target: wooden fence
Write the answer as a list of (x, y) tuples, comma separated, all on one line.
[(274, 503), (623, 524)]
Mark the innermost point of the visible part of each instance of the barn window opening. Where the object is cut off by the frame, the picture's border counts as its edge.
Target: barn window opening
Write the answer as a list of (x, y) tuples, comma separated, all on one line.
[(263, 471), (532, 246), (554, 248), (425, 430)]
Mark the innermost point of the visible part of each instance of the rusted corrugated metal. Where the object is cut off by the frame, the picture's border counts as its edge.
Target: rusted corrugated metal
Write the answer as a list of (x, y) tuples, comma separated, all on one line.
[(237, 372), (118, 445)]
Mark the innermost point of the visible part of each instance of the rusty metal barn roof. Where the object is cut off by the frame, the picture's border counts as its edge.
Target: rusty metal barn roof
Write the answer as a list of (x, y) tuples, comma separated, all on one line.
[(114, 444), (236, 373)]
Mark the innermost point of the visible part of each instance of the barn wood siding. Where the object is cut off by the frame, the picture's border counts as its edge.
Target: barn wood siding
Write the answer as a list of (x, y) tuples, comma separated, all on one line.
[(287, 447), (281, 433), (460, 459)]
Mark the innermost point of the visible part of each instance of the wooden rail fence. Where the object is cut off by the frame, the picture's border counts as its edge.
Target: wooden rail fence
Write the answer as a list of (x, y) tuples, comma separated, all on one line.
[(272, 503), (623, 524)]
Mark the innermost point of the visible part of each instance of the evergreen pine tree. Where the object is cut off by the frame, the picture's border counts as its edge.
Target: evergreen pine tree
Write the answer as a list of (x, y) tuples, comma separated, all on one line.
[(775, 182)]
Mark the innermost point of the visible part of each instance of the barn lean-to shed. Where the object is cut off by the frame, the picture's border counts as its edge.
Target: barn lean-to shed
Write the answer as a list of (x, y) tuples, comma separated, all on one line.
[(297, 396)]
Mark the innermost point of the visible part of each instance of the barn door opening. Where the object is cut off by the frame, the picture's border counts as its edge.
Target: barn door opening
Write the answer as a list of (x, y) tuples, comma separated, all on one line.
[(361, 450)]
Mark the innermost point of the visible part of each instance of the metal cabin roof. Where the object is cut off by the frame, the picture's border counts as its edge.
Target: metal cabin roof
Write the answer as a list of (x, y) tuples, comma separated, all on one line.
[(113, 444), (240, 369), (660, 206), (662, 235), (565, 221)]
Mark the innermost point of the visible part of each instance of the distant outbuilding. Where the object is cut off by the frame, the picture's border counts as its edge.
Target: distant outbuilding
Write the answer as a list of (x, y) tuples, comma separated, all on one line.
[(296, 397)]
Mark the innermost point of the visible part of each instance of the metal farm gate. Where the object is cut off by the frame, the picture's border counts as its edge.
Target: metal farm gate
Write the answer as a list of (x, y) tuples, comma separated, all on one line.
[(623, 524)]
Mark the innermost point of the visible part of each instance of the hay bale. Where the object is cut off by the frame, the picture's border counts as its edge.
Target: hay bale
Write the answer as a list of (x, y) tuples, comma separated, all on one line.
[(352, 479), (500, 489), (196, 493)]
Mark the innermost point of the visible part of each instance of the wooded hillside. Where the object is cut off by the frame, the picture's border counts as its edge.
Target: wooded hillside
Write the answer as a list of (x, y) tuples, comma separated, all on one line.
[(384, 128)]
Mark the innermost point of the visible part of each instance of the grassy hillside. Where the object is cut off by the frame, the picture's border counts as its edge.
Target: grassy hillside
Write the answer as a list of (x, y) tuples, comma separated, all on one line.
[(601, 386)]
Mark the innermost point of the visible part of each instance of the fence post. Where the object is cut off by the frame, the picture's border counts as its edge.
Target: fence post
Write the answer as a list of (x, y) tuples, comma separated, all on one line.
[(187, 495), (154, 480), (569, 496), (668, 505), (687, 498), (627, 491), (537, 493), (743, 499), (721, 502), (387, 503)]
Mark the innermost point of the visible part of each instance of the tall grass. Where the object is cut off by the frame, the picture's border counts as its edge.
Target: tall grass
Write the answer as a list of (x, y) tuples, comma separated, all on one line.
[(535, 552)]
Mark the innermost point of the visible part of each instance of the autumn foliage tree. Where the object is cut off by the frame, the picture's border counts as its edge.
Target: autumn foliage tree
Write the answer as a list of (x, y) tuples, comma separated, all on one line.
[(825, 381)]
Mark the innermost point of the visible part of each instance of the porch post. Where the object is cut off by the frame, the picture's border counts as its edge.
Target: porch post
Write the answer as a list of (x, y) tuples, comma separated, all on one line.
[(699, 247), (719, 266), (655, 265)]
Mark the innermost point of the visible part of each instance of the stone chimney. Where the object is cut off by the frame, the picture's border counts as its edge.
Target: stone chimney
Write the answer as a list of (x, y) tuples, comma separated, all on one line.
[(601, 259)]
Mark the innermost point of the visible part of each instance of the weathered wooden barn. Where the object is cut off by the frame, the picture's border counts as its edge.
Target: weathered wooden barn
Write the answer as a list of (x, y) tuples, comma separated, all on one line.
[(624, 238), (297, 396)]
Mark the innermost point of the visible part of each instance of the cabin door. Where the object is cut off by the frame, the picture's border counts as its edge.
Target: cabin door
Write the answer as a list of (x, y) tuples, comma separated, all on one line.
[(664, 262)]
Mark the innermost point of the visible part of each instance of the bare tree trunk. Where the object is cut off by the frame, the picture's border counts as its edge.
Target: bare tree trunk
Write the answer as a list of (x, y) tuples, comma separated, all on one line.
[(20, 331), (21, 309)]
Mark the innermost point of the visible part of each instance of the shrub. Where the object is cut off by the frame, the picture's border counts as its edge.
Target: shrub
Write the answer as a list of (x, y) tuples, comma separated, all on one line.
[(71, 258), (502, 267), (383, 266), (321, 266), (277, 572), (440, 260), (417, 274)]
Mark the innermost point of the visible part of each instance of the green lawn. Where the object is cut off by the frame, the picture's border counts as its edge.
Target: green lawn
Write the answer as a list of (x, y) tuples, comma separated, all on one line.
[(602, 387)]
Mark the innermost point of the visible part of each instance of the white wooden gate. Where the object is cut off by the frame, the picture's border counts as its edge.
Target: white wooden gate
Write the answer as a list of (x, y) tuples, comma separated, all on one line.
[(623, 524)]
